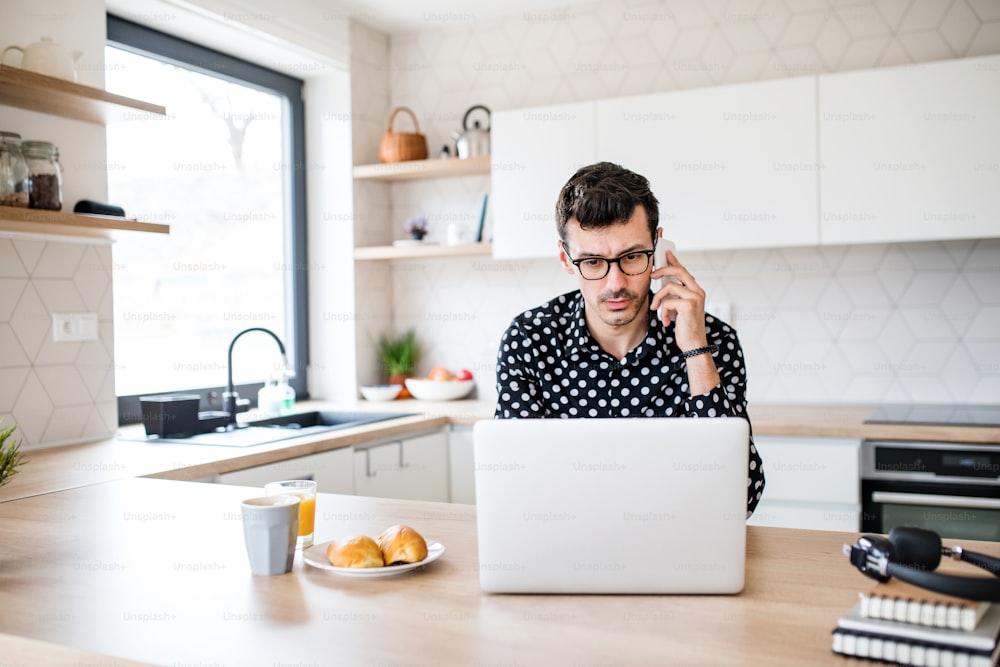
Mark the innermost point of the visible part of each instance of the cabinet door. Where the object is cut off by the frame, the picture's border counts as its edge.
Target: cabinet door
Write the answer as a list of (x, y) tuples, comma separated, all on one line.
[(911, 153), (411, 469), (732, 166), (811, 483), (814, 470), (534, 152), (333, 472), (461, 465)]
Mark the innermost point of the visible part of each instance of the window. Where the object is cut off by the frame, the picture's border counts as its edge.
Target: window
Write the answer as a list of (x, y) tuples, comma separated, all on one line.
[(220, 169)]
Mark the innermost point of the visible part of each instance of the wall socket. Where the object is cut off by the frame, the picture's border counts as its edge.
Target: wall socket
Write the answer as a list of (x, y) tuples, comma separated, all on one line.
[(70, 327)]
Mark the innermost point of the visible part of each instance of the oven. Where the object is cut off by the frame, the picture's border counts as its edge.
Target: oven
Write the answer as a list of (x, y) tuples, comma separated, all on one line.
[(950, 488)]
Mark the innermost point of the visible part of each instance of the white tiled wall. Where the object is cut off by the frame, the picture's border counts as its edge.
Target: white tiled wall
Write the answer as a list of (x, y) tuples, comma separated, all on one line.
[(888, 322), (56, 392)]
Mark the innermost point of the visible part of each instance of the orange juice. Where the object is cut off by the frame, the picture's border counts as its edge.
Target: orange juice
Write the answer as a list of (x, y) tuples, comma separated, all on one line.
[(307, 515)]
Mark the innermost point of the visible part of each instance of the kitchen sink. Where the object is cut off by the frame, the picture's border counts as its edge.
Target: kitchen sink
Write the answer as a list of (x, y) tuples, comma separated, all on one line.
[(274, 429)]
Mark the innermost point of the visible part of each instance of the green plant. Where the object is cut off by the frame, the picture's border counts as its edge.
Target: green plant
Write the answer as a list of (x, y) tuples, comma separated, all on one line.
[(10, 453), (399, 355)]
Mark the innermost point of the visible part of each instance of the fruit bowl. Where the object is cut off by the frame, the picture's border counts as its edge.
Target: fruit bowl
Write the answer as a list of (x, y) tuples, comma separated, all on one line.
[(439, 390), (381, 392)]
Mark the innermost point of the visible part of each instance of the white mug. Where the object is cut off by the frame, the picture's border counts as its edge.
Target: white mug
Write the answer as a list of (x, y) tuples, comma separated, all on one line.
[(270, 528)]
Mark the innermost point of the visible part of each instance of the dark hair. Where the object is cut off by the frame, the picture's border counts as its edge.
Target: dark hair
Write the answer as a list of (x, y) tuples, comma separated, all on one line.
[(605, 194)]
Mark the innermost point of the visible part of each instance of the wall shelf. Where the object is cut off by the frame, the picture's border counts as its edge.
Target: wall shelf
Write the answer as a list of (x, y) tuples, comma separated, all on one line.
[(37, 92), (429, 250), (37, 221), (418, 169)]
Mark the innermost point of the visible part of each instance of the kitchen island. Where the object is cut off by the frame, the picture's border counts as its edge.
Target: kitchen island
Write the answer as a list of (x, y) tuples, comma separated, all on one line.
[(155, 571)]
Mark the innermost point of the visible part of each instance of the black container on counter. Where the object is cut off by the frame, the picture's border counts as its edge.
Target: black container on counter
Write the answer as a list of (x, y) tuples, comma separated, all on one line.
[(170, 415), (45, 174)]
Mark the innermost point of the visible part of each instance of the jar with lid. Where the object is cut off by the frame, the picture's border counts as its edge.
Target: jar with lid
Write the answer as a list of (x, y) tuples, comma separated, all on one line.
[(45, 174), (15, 187)]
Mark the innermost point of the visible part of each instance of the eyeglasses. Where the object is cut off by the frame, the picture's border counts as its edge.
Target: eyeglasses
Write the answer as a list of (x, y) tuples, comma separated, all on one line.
[(594, 268)]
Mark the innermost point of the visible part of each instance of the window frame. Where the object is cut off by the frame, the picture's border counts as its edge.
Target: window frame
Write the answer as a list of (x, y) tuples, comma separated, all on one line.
[(140, 39)]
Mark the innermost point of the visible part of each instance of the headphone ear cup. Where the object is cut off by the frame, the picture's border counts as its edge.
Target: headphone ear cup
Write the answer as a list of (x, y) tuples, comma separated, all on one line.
[(916, 547)]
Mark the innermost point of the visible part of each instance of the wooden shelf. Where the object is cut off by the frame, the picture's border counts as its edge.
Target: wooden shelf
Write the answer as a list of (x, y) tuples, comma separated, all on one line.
[(417, 169), (37, 92), (37, 221), (429, 250)]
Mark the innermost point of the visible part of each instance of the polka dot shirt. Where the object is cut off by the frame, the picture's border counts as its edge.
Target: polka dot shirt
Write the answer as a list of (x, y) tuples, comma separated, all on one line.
[(548, 365)]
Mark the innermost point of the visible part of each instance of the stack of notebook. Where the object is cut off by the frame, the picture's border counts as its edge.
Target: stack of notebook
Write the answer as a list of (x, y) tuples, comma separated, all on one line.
[(899, 623)]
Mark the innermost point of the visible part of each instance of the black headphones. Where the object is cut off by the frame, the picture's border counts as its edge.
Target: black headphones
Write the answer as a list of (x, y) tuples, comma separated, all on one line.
[(911, 554)]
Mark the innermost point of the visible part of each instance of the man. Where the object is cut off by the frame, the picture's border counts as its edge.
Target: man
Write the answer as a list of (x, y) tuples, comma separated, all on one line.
[(613, 348)]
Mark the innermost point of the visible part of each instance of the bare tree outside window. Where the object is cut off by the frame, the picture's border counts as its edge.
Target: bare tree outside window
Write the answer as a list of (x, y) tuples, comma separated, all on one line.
[(212, 170)]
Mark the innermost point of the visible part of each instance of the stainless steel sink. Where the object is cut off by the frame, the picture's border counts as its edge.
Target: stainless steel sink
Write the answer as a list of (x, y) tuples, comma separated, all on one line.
[(274, 429)]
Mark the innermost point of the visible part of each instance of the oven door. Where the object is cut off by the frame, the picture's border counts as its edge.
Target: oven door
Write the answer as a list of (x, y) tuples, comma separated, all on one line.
[(952, 488), (964, 511)]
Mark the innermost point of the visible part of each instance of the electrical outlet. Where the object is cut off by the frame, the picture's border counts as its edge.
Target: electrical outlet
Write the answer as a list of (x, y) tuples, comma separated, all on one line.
[(71, 327), (720, 309)]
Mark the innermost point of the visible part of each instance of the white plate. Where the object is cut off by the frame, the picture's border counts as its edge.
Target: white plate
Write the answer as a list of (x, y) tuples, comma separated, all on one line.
[(316, 556)]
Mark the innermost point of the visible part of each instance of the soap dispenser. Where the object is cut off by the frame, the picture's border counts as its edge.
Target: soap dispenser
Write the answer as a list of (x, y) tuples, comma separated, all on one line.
[(285, 394), (269, 398)]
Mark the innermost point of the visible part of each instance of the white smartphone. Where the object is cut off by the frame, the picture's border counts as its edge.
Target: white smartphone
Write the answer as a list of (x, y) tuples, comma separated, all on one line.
[(660, 259)]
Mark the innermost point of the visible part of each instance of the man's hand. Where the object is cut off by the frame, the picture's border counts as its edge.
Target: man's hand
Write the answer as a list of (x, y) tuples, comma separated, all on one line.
[(683, 301)]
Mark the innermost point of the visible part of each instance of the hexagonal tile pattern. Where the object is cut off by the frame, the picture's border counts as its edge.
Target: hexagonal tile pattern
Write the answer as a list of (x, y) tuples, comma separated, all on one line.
[(864, 323), (56, 392)]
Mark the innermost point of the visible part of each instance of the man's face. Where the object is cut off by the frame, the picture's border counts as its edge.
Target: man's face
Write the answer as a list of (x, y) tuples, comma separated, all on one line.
[(616, 299)]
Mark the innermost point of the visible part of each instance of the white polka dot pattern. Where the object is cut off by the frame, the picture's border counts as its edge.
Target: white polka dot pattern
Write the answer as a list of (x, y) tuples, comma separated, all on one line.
[(548, 365)]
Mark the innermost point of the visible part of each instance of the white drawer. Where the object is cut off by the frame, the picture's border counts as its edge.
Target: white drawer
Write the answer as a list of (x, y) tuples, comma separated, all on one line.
[(817, 470), (782, 514)]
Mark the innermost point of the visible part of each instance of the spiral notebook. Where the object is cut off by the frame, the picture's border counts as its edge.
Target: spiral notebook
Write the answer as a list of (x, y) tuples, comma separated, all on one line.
[(611, 505)]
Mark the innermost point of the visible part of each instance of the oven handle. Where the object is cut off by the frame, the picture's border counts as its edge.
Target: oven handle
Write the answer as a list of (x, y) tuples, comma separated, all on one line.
[(968, 502)]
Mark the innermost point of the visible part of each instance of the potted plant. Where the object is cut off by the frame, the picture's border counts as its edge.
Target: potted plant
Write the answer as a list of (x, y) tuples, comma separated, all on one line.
[(398, 356), (10, 453), (416, 227)]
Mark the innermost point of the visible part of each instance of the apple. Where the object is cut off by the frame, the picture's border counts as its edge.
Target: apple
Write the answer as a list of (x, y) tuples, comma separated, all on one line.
[(440, 374), (464, 374)]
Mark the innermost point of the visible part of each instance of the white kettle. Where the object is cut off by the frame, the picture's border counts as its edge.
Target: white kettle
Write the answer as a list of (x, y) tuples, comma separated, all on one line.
[(48, 58)]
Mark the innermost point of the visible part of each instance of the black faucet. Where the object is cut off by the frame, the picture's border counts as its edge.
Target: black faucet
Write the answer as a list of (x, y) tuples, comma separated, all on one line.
[(230, 398)]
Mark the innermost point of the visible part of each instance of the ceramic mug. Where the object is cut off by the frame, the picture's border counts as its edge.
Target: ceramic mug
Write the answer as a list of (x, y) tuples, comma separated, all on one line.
[(270, 528)]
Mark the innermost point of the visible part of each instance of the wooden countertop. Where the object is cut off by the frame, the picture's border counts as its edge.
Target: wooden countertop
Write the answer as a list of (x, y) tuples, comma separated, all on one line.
[(156, 571), (72, 466)]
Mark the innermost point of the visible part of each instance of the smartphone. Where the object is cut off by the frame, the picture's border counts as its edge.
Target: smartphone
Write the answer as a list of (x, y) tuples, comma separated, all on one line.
[(660, 259)]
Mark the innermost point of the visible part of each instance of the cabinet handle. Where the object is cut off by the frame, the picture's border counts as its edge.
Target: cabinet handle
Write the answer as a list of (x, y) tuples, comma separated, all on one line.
[(368, 459), (961, 502)]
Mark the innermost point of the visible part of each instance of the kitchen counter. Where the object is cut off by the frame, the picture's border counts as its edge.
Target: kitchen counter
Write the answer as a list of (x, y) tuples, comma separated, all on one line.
[(156, 571), (58, 468)]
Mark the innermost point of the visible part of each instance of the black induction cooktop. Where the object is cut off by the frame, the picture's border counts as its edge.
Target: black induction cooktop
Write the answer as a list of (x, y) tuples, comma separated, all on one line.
[(953, 415)]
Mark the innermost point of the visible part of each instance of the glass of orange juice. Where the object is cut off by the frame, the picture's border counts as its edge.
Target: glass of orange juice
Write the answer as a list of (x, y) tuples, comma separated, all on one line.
[(305, 489)]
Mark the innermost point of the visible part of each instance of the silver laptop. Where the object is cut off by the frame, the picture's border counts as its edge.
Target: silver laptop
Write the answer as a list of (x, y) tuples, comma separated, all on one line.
[(611, 505)]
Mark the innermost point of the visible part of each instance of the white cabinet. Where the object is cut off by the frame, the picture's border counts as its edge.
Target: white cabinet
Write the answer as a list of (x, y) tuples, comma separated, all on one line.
[(911, 153), (461, 465), (534, 153), (810, 483), (732, 166), (413, 468), (332, 470)]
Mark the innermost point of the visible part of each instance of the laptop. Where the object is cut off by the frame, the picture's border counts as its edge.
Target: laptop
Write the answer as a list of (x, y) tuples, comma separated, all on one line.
[(619, 506)]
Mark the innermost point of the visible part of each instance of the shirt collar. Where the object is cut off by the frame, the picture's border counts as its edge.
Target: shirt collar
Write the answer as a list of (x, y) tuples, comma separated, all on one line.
[(581, 342)]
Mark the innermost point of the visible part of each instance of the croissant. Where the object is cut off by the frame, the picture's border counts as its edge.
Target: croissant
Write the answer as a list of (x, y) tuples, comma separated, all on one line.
[(402, 544)]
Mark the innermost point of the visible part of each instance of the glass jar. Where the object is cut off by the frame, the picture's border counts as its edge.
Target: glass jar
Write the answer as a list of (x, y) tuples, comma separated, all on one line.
[(14, 183), (45, 174)]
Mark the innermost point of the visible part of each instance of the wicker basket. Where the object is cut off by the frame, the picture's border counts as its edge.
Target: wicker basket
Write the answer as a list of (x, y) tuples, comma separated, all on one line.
[(402, 146)]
